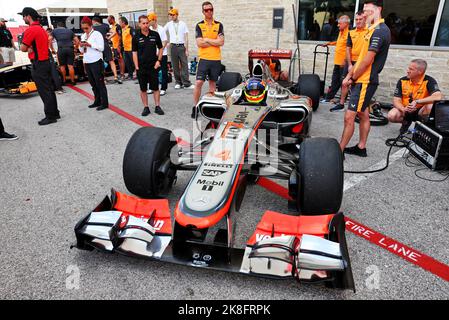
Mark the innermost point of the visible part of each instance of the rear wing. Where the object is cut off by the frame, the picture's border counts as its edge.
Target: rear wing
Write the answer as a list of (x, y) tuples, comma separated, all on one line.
[(276, 54), (270, 54)]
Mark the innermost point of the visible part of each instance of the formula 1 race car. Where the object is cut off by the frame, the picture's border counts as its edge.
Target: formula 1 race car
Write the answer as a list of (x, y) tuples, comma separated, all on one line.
[(16, 80), (249, 134)]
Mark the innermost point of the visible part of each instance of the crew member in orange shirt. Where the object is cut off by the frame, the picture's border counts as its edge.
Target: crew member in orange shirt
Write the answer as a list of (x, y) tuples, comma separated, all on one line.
[(353, 48), (340, 58)]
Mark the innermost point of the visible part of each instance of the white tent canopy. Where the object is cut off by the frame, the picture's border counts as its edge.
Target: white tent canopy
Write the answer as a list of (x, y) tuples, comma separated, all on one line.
[(79, 6)]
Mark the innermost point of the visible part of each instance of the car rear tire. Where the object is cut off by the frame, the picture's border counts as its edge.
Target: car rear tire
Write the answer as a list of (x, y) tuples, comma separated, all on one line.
[(228, 81), (147, 169), (321, 173), (309, 86)]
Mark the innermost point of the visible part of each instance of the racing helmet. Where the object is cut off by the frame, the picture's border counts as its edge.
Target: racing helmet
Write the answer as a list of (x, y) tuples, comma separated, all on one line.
[(255, 90)]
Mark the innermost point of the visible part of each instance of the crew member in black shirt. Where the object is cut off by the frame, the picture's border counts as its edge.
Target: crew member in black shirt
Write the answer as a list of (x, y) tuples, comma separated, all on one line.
[(145, 44), (7, 46)]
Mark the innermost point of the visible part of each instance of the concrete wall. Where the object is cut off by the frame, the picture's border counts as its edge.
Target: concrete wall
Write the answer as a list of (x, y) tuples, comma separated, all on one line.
[(161, 7), (248, 25)]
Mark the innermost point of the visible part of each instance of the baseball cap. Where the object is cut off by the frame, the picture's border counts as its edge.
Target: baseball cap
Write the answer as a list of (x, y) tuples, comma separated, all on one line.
[(378, 3), (27, 11), (174, 11), (152, 16)]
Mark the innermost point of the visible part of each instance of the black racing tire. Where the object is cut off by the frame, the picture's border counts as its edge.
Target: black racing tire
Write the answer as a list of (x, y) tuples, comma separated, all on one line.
[(228, 81), (309, 86), (321, 175), (147, 153)]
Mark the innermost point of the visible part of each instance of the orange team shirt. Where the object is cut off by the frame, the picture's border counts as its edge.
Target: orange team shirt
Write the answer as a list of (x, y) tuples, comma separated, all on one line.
[(409, 91), (127, 38), (116, 39), (355, 42), (377, 39), (340, 48), (213, 31)]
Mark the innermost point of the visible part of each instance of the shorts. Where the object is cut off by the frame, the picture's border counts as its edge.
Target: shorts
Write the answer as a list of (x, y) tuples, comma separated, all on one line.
[(66, 56), (412, 116), (107, 54), (8, 54), (361, 95), (209, 68), (148, 76), (116, 54)]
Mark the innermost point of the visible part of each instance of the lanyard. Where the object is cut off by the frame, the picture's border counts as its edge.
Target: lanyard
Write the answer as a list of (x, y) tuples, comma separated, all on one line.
[(176, 27)]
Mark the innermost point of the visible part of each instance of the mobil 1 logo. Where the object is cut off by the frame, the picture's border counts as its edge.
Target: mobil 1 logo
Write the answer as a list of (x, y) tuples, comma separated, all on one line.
[(209, 185)]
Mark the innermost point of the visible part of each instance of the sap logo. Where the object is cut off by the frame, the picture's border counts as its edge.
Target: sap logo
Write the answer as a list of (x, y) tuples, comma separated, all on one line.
[(212, 173)]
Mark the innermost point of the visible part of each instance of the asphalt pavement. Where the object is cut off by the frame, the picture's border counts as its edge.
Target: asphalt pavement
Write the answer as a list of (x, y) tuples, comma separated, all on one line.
[(53, 176)]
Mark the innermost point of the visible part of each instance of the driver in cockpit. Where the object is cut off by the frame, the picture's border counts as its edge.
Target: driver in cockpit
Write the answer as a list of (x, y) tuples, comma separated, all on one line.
[(254, 93)]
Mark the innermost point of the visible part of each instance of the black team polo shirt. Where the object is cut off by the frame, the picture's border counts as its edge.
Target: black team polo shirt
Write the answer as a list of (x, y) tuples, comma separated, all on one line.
[(146, 48)]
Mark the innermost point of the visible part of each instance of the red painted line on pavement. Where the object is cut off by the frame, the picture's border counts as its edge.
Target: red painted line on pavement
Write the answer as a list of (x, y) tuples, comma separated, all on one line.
[(114, 109), (403, 251), (123, 113)]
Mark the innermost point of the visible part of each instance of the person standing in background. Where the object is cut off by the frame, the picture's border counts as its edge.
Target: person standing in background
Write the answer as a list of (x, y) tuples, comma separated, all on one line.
[(339, 58), (210, 39), (147, 55), (115, 36), (179, 49), (35, 42), (127, 42), (7, 45), (92, 46), (152, 17), (104, 29), (364, 77), (353, 47), (66, 40)]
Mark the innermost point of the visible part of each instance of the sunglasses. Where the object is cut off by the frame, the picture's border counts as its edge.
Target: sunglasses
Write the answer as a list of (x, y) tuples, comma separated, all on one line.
[(208, 10)]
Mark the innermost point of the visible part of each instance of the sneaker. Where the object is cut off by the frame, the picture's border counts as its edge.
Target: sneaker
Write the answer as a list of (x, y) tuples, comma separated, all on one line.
[(355, 150), (159, 111), (190, 87), (150, 91), (5, 136), (146, 111), (194, 114), (93, 106), (324, 100), (404, 128), (118, 81), (337, 107), (102, 108), (163, 92), (47, 121), (178, 86), (60, 91)]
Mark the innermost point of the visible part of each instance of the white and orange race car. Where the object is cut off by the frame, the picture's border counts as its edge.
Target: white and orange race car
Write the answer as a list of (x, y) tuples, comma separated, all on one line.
[(307, 244)]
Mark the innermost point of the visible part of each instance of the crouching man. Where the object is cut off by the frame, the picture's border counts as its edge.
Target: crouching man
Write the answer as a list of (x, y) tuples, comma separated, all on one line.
[(414, 96)]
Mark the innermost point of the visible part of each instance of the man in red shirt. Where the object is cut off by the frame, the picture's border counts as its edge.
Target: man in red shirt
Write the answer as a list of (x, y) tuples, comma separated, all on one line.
[(35, 42)]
